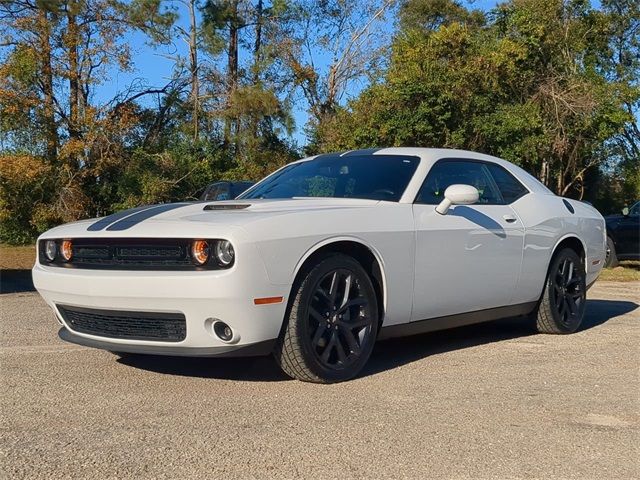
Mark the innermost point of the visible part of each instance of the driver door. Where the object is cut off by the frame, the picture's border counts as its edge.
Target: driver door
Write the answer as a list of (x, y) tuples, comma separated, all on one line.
[(470, 258)]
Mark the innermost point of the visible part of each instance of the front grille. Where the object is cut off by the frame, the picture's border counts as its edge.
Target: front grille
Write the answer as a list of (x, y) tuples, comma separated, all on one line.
[(154, 326), (143, 251), (129, 254)]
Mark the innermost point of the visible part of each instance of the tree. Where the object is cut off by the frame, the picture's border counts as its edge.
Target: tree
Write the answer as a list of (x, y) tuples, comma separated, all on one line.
[(333, 45), (526, 84), (249, 35), (57, 53)]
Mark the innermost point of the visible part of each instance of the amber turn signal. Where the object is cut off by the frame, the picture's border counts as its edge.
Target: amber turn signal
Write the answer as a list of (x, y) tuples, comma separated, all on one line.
[(200, 252), (267, 300), (66, 250)]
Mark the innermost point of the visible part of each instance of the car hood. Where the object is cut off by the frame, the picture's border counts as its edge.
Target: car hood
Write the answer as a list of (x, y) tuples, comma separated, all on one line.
[(288, 204), (189, 218)]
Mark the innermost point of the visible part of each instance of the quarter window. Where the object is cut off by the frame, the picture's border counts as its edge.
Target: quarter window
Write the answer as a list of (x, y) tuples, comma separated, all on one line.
[(510, 188)]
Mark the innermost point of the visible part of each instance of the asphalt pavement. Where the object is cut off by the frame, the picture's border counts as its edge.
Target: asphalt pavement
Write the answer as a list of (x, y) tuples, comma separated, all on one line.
[(486, 401)]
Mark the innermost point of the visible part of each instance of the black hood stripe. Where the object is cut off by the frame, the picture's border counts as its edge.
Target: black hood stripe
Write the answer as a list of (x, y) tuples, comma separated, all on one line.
[(136, 218), (108, 220)]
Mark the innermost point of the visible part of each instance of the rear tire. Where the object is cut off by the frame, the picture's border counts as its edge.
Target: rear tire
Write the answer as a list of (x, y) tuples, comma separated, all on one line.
[(563, 301), (611, 259), (331, 323)]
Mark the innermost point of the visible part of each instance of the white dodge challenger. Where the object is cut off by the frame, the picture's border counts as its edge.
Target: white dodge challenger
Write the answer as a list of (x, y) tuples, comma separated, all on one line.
[(323, 257)]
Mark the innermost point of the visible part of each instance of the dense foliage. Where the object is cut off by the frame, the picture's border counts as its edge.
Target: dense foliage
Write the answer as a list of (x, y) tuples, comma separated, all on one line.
[(549, 84)]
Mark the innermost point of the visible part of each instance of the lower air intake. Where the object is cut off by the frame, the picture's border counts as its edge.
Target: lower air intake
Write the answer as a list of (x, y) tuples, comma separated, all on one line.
[(154, 326)]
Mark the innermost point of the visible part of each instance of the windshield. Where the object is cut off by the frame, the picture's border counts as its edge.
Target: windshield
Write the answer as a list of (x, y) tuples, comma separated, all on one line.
[(374, 177)]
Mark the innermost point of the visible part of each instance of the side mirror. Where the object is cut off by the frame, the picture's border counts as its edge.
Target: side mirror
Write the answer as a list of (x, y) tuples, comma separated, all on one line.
[(625, 211), (457, 195)]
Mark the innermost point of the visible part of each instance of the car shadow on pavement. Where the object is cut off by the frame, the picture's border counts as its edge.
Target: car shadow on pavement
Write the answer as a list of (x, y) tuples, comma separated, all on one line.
[(396, 352), (247, 369), (16, 281), (388, 354)]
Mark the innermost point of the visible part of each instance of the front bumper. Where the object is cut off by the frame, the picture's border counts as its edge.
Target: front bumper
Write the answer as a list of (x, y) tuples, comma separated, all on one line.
[(200, 296), (256, 349)]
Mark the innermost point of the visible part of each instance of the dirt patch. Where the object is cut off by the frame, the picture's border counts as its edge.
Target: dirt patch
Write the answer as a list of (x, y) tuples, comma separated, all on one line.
[(17, 258), (626, 272)]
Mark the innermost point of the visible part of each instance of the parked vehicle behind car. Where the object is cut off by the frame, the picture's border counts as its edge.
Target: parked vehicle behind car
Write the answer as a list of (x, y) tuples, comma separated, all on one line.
[(225, 190), (323, 257), (623, 236)]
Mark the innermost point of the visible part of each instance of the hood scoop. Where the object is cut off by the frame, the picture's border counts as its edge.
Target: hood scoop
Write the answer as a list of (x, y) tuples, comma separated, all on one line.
[(226, 206)]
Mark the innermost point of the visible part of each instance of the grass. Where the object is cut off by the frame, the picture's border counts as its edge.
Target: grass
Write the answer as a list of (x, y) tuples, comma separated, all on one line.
[(628, 271), (22, 258), (17, 258)]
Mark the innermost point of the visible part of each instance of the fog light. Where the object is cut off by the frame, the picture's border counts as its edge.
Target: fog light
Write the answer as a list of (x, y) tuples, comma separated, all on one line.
[(223, 331), (66, 250), (50, 250)]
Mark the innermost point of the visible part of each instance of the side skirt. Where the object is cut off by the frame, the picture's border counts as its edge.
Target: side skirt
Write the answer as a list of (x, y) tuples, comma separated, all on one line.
[(458, 320)]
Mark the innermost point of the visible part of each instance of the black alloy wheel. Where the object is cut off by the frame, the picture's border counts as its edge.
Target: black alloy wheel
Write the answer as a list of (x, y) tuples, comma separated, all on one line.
[(563, 302), (569, 294), (340, 320), (332, 322)]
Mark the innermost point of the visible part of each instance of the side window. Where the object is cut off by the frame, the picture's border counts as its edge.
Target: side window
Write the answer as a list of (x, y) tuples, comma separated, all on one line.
[(217, 191), (449, 172), (510, 188)]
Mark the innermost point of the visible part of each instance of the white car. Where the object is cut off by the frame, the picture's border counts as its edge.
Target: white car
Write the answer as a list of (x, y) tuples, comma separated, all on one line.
[(323, 257)]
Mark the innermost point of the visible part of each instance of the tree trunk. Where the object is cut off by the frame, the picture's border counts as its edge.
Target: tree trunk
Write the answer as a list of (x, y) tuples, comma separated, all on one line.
[(258, 44), (72, 39), (560, 181), (233, 48), (257, 50), (232, 67), (193, 67), (544, 172), (51, 132)]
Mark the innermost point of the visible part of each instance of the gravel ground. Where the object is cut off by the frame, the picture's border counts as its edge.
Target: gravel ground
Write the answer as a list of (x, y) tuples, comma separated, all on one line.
[(488, 401)]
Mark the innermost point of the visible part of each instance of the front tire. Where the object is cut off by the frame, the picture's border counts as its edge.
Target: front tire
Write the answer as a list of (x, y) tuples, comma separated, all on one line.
[(563, 301), (331, 324)]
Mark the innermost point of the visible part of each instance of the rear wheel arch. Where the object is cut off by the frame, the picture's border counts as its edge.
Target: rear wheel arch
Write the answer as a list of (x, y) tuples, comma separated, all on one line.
[(574, 243), (568, 241), (364, 254)]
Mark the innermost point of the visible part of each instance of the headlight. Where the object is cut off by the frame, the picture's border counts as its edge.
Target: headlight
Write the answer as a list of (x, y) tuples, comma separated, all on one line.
[(50, 250), (66, 250), (224, 253), (200, 252)]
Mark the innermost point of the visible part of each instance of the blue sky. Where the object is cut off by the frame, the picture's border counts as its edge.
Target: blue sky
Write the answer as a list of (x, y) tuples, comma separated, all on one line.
[(153, 68)]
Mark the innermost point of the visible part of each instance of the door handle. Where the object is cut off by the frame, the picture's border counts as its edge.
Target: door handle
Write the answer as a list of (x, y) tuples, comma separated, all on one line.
[(509, 218)]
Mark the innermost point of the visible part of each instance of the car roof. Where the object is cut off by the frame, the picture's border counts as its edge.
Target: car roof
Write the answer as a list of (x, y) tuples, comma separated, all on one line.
[(429, 156)]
